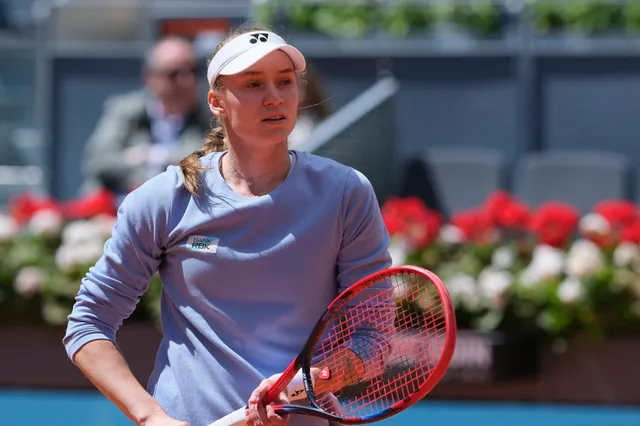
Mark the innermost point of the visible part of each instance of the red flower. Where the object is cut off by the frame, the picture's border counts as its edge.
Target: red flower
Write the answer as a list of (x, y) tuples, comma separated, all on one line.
[(515, 216), (621, 215), (476, 225), (98, 203), (497, 202), (24, 206), (393, 216), (506, 211), (631, 233), (424, 231), (553, 223), (411, 218), (618, 213)]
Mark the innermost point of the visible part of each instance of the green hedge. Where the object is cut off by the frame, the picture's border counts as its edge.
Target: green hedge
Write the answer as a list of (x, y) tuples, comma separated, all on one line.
[(482, 18)]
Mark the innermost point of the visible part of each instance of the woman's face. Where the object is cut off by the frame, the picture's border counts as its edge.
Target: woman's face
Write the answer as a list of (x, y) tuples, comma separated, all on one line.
[(259, 105)]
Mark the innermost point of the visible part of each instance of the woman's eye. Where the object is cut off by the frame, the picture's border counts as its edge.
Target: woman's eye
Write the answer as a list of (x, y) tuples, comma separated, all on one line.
[(255, 84)]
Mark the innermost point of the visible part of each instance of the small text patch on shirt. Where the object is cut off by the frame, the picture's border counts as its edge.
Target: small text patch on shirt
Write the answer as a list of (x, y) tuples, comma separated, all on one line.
[(203, 244)]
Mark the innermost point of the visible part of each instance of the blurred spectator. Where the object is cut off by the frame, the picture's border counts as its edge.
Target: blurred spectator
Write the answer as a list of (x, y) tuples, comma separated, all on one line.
[(142, 132), (4, 18), (313, 108), (418, 181)]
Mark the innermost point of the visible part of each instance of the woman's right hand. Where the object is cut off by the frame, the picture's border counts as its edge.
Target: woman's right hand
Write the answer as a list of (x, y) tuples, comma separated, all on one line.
[(260, 415)]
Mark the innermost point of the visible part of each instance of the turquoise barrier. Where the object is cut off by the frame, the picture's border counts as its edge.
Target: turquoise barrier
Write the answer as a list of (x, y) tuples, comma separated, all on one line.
[(56, 408)]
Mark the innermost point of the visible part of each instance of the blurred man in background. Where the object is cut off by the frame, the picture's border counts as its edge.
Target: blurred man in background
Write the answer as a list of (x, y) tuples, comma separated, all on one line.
[(143, 132)]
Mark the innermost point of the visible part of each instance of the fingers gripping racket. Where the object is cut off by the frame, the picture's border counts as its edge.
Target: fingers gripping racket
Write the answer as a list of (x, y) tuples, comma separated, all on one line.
[(380, 347)]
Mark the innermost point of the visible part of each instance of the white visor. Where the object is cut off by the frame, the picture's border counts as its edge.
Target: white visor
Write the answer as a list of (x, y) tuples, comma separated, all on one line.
[(247, 49)]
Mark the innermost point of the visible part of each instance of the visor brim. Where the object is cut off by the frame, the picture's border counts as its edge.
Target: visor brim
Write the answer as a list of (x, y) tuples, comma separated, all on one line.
[(252, 56)]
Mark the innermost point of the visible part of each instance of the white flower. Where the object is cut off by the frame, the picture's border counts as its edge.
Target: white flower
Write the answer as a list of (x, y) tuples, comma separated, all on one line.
[(65, 258), (83, 242), (82, 231), (584, 259), (548, 260), (104, 225), (46, 223), (91, 252), (463, 291), (593, 223), (529, 276), (546, 263), (426, 299), (401, 290), (29, 281), (9, 228), (450, 234), (626, 254), (493, 284), (70, 256), (570, 290), (398, 250), (503, 257)]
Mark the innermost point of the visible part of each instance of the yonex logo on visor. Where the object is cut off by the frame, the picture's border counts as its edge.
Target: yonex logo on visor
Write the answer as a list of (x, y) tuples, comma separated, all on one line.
[(263, 37), (246, 49)]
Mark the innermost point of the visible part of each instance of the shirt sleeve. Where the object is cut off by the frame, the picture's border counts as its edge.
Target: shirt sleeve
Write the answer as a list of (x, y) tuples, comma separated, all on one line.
[(112, 288), (364, 251), (365, 240)]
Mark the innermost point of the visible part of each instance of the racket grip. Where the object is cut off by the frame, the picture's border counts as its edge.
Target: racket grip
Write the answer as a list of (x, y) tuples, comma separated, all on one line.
[(295, 389), (233, 419)]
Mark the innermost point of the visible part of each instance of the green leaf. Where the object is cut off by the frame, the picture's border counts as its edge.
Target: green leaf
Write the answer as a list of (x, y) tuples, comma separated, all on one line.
[(302, 16), (399, 19), (489, 321), (55, 311), (631, 16)]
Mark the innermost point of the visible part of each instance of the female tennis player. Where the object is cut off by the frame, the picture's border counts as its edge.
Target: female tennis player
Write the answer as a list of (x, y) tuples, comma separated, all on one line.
[(252, 241)]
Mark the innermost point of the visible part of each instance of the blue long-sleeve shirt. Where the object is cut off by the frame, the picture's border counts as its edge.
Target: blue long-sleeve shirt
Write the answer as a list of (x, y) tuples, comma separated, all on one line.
[(244, 278)]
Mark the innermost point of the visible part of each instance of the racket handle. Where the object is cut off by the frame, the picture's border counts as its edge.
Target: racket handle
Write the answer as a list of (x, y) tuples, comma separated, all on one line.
[(233, 419), (295, 391)]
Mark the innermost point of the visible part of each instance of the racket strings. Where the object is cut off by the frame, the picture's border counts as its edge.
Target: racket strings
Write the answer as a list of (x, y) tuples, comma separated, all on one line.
[(396, 327)]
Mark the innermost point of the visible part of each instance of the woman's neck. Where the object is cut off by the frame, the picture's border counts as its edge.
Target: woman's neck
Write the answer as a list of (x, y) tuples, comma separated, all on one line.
[(255, 173)]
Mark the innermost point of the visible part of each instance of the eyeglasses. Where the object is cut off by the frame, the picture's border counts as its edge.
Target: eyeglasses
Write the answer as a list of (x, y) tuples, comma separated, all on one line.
[(173, 75)]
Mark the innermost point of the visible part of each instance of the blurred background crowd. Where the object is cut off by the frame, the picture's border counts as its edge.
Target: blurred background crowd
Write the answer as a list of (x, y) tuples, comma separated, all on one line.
[(501, 137)]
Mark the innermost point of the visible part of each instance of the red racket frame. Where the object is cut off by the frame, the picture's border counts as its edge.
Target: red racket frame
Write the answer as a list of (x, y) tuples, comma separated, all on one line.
[(301, 362)]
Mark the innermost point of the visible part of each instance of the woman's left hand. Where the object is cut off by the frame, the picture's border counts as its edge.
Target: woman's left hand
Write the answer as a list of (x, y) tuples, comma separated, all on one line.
[(260, 415)]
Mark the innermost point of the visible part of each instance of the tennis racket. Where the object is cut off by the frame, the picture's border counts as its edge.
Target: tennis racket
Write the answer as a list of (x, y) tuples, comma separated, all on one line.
[(380, 347)]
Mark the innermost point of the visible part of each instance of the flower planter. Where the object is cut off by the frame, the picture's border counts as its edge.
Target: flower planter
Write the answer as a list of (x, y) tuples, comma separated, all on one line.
[(586, 373), (32, 356), (492, 357)]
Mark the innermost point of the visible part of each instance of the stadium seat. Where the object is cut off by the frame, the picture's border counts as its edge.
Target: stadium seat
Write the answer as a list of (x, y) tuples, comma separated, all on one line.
[(464, 177), (581, 178)]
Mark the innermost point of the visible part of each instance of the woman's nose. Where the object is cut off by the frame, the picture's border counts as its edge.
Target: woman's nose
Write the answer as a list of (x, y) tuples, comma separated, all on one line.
[(273, 97)]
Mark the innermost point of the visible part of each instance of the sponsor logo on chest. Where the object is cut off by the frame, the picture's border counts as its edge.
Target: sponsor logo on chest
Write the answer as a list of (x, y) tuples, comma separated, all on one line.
[(202, 244)]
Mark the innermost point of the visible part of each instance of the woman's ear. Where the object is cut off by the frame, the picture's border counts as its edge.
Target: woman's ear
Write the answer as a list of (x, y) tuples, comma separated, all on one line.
[(215, 104)]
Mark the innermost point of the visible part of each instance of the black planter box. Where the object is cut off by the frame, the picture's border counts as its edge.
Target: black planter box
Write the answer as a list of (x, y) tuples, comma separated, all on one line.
[(490, 357), (486, 366)]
